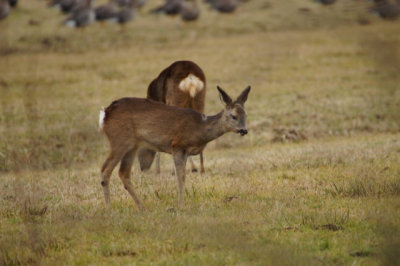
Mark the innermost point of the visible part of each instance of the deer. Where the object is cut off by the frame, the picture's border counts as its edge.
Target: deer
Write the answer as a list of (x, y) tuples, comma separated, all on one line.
[(182, 84), (130, 123)]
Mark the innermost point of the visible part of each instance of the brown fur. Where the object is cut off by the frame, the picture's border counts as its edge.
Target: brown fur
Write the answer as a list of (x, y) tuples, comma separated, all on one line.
[(130, 123), (165, 89)]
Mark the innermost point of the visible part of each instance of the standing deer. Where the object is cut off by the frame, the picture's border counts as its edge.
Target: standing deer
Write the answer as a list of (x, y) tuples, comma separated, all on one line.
[(182, 84), (130, 123)]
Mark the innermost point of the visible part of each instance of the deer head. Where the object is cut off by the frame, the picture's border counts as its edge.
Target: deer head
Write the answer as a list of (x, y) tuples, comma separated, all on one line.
[(234, 117)]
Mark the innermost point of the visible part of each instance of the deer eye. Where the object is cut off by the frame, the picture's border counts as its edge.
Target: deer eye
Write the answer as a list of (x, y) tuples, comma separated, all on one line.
[(234, 117)]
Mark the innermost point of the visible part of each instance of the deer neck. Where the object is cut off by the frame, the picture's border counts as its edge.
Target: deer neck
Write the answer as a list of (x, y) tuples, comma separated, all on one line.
[(214, 126)]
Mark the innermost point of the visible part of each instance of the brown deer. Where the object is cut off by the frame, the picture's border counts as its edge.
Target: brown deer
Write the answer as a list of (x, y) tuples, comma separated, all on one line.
[(182, 84), (130, 123)]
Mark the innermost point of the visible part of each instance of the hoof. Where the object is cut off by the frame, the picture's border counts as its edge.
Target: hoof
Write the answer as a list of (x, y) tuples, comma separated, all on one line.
[(194, 170)]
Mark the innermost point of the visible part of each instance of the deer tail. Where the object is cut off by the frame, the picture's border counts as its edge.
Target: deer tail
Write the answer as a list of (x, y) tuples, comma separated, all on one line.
[(101, 119)]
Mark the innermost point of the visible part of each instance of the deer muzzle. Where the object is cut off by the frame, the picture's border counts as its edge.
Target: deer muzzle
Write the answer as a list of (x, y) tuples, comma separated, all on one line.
[(242, 132)]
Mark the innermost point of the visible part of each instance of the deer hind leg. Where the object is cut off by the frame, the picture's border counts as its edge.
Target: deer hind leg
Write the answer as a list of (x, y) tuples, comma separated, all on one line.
[(192, 165), (158, 166), (180, 159), (125, 175), (145, 158), (106, 170), (201, 163)]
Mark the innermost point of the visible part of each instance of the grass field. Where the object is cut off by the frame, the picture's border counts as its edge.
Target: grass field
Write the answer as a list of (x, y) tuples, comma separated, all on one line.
[(315, 182)]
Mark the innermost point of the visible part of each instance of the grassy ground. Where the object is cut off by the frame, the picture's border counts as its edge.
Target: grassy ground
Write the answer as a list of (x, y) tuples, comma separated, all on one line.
[(316, 181), (326, 202)]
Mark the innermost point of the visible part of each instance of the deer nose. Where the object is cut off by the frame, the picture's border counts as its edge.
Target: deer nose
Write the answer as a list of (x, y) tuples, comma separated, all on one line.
[(242, 132)]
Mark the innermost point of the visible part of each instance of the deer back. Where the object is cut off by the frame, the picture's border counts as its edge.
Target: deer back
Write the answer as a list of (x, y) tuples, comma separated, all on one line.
[(152, 124)]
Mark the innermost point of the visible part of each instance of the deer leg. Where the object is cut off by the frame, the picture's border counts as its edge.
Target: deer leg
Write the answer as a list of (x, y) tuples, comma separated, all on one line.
[(180, 159), (125, 175), (201, 163), (145, 157), (106, 171), (158, 167), (192, 165)]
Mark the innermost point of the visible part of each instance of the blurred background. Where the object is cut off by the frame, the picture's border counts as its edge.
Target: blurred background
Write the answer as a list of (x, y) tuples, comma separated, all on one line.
[(318, 69), (315, 182)]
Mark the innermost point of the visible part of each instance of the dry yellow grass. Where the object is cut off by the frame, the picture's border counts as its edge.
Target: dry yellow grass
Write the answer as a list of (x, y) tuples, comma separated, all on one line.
[(316, 181), (320, 202)]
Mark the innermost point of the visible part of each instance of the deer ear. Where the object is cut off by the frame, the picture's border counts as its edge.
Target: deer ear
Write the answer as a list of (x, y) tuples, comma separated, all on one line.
[(243, 96), (224, 97)]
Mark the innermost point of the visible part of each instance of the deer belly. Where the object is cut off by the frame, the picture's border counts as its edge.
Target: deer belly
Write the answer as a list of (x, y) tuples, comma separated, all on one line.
[(156, 146), (194, 150)]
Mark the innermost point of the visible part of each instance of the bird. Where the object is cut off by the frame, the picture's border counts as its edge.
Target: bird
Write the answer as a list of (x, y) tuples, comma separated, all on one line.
[(223, 6), (127, 13), (386, 9), (70, 6), (67, 6), (82, 16), (122, 3), (189, 12), (106, 12), (326, 2), (170, 8), (54, 3), (139, 3), (13, 3), (4, 9)]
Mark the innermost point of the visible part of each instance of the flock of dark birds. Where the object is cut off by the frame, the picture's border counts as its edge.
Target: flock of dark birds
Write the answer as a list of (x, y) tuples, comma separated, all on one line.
[(82, 12)]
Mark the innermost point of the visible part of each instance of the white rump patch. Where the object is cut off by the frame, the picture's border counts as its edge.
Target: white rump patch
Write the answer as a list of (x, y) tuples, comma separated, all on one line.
[(101, 119), (191, 84)]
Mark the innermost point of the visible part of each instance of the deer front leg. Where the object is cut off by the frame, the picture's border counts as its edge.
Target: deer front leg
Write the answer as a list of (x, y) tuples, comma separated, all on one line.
[(180, 159)]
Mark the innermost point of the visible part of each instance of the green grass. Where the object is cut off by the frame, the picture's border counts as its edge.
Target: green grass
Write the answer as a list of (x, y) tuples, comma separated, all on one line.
[(315, 182), (304, 210)]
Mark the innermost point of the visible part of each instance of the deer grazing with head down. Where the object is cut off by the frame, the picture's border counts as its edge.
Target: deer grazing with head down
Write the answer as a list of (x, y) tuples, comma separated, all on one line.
[(182, 84), (130, 123)]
